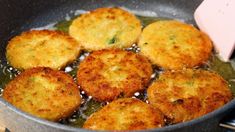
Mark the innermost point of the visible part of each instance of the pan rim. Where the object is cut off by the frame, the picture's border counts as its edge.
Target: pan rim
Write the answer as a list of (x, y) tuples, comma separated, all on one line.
[(56, 125), (62, 127)]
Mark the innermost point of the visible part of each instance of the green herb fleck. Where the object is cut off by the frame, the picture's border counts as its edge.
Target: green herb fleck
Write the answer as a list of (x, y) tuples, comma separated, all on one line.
[(172, 37), (190, 83), (112, 40)]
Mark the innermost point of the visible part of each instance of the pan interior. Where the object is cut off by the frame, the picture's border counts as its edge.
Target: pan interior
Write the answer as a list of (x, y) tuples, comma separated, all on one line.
[(59, 16)]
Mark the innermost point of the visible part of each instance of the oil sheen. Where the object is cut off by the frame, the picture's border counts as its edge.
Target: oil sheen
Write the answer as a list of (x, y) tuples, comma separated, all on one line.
[(89, 105)]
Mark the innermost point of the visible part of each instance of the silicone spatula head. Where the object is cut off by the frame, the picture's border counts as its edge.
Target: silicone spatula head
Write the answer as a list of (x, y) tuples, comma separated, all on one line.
[(217, 19)]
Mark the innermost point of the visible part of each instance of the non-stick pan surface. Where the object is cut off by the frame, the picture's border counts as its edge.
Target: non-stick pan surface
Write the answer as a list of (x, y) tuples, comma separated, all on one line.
[(22, 15)]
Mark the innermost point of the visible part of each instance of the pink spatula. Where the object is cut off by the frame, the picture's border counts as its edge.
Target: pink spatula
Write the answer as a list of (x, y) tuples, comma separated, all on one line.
[(217, 19)]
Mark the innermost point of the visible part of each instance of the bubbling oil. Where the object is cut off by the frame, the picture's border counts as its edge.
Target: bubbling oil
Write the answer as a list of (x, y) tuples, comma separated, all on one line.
[(89, 105)]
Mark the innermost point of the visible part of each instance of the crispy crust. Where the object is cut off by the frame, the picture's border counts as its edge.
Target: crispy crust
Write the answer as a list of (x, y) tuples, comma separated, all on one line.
[(41, 49), (106, 28), (174, 45), (107, 74), (188, 94), (44, 93), (125, 114)]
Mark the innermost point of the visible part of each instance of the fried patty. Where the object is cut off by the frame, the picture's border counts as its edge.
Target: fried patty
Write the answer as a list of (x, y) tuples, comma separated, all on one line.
[(110, 73), (44, 93), (174, 45), (41, 49), (125, 114), (105, 28), (188, 94)]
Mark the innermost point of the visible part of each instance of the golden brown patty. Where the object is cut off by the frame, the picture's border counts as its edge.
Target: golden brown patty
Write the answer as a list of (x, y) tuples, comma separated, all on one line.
[(107, 74), (41, 49), (105, 28), (125, 114), (174, 45), (188, 94), (44, 93)]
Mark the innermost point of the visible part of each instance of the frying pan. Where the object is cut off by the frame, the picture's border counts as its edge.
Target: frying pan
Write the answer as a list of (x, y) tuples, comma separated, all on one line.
[(22, 15)]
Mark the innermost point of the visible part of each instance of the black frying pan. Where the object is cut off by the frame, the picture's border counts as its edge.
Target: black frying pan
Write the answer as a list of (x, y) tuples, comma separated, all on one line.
[(17, 16)]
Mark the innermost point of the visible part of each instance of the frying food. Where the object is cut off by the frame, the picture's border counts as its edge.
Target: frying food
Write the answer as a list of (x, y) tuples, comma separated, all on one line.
[(125, 114), (174, 45), (188, 94), (41, 49), (44, 93), (106, 28), (110, 73)]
